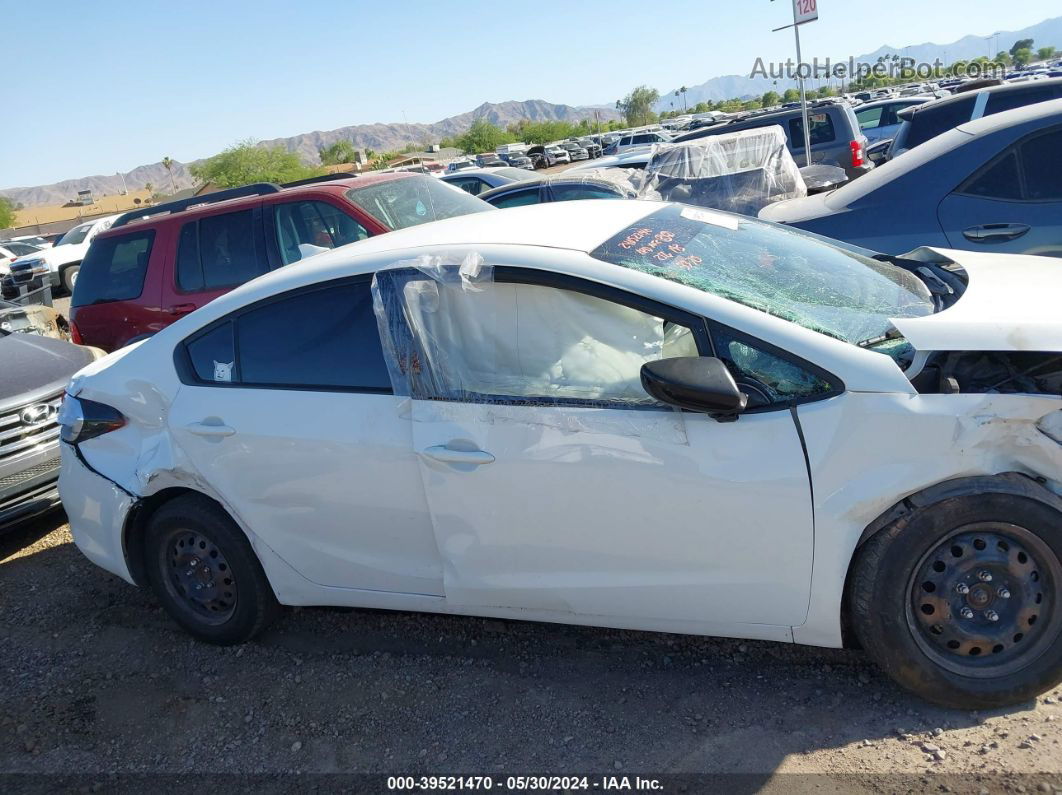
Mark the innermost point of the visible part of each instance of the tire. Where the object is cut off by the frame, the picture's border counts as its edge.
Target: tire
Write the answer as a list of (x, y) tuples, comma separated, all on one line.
[(190, 542), (913, 617), (68, 278)]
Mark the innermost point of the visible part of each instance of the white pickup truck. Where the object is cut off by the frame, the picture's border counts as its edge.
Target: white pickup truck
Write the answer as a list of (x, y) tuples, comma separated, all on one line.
[(61, 262)]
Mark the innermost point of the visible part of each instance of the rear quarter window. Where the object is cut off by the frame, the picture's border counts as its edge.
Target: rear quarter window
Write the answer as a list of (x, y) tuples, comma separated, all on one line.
[(114, 269), (931, 122)]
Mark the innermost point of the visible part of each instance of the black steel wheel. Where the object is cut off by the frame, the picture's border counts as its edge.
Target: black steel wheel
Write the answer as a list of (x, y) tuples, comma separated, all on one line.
[(204, 571), (958, 599), (985, 598), (199, 575)]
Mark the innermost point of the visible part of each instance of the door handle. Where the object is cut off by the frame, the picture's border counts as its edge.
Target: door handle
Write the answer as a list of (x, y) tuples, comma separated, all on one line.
[(995, 233), (181, 309), (210, 430), (450, 456)]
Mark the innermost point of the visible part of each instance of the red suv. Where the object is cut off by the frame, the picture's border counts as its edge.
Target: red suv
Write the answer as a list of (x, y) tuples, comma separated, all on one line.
[(157, 264)]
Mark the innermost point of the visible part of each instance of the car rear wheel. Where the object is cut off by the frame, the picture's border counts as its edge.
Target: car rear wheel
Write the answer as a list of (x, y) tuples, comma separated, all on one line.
[(205, 573), (959, 602)]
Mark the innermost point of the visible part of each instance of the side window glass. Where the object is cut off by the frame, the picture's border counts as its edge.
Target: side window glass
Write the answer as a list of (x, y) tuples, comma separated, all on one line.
[(766, 378), (322, 338), (928, 124), (503, 342), (1041, 160), (999, 181), (310, 227), (820, 125), (1000, 101), (870, 118), (518, 198), (227, 250), (213, 355), (114, 269)]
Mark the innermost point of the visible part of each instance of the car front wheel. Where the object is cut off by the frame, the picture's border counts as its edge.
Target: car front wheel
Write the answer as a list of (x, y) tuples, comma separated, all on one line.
[(959, 602), (205, 573)]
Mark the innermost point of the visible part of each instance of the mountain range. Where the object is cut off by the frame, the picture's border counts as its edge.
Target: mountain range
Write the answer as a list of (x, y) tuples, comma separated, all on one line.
[(1044, 34), (380, 137)]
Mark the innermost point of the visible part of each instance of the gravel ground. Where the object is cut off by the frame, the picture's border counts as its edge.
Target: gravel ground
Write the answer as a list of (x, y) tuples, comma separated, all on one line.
[(98, 681)]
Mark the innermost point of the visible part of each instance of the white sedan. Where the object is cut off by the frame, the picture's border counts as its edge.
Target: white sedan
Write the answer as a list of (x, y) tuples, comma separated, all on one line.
[(627, 414)]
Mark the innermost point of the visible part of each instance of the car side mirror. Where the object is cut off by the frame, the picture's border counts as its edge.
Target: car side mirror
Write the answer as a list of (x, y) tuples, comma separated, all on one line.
[(696, 383)]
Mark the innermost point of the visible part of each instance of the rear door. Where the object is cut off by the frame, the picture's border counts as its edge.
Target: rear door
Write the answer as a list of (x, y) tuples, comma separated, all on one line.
[(215, 252), (287, 411), (1013, 204), (302, 227)]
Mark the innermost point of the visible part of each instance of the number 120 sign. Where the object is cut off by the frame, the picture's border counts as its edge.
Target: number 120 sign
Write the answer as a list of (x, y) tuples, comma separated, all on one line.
[(805, 10)]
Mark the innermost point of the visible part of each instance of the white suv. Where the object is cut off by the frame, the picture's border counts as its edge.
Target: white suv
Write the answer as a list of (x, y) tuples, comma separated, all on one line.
[(62, 261), (637, 141)]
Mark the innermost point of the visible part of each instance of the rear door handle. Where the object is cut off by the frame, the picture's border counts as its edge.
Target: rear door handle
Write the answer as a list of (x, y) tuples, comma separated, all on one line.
[(450, 456), (181, 309), (995, 233), (210, 430)]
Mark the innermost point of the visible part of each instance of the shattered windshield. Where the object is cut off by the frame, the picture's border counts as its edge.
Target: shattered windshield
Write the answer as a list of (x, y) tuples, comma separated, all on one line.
[(804, 280), (414, 200)]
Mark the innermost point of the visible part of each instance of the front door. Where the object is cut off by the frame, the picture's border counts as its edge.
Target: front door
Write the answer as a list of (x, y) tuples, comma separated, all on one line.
[(554, 481)]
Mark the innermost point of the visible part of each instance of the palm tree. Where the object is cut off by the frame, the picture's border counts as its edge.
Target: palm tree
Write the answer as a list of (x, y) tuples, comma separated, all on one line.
[(684, 90), (167, 163)]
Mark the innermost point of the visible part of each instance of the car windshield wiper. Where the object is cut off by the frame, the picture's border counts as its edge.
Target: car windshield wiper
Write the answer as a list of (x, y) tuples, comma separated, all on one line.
[(888, 335), (945, 287)]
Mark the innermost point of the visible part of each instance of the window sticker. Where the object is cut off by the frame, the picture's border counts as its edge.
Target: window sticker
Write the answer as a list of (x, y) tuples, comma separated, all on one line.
[(223, 371), (709, 217)]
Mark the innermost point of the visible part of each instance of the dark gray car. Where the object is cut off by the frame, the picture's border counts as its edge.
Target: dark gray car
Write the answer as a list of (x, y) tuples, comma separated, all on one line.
[(35, 373), (835, 136), (992, 185)]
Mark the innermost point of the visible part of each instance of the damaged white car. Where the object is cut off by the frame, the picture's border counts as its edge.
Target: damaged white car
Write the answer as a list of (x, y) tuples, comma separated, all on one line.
[(627, 414)]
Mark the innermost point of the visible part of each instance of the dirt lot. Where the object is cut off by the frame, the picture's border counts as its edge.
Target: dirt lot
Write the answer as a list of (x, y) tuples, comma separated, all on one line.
[(98, 681)]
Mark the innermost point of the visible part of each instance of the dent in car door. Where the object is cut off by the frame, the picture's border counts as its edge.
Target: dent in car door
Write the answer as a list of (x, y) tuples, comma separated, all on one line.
[(610, 507)]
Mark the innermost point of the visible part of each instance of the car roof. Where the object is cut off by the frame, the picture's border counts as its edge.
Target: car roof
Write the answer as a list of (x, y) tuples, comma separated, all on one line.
[(192, 211), (878, 103), (968, 95)]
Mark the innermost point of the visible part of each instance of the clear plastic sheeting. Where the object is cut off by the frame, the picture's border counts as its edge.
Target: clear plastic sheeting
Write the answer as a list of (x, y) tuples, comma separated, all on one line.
[(740, 172), (452, 334)]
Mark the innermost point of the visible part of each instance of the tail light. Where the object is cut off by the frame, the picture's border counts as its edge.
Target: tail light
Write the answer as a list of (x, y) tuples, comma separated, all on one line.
[(75, 333), (86, 419), (857, 153)]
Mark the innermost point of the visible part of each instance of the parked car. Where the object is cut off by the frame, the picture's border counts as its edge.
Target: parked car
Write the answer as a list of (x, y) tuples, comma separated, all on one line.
[(60, 264), (878, 120), (991, 185), (558, 154), (926, 121), (36, 369), (809, 481), (592, 147), (836, 139), (632, 158), (575, 152), (163, 262), (10, 250), (488, 159), (540, 157), (559, 188), (43, 321), (517, 160), (636, 141), (477, 181), (459, 165)]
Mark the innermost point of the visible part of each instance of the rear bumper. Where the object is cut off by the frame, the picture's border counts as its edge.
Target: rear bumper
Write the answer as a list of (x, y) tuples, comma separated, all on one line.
[(97, 510), (31, 490)]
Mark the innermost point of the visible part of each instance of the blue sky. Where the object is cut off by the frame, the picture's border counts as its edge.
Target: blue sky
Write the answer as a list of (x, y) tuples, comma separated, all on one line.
[(97, 87)]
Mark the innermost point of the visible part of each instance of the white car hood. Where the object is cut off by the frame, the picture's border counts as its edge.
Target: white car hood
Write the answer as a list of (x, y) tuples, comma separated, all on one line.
[(1012, 303)]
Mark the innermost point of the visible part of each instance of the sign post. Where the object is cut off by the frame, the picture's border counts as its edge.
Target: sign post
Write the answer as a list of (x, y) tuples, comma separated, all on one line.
[(803, 11)]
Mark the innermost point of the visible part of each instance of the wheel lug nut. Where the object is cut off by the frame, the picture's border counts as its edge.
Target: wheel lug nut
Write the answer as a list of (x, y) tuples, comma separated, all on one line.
[(992, 615), (198, 586), (189, 572), (984, 576), (962, 588), (1003, 593), (194, 563), (965, 612)]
